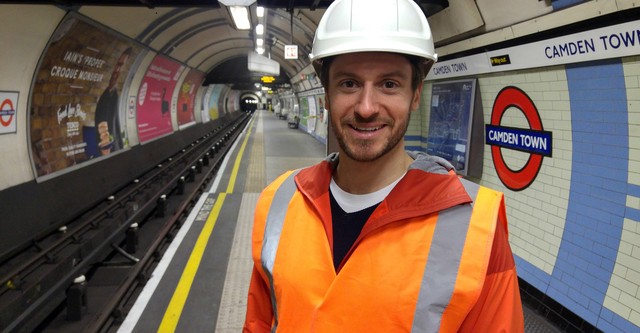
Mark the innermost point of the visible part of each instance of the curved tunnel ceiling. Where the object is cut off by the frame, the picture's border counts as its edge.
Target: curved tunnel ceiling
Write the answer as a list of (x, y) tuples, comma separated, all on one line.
[(200, 33)]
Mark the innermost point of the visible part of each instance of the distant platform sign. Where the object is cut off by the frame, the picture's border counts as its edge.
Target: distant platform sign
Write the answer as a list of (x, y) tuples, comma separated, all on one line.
[(8, 105)]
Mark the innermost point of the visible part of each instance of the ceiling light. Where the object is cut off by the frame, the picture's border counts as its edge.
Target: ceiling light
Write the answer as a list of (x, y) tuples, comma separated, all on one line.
[(240, 17), (259, 42), (260, 50), (260, 11), (260, 29), (245, 3), (239, 11)]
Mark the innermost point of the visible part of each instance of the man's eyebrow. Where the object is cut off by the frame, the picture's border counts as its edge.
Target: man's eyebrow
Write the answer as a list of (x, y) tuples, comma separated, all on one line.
[(397, 73), (343, 73), (393, 73)]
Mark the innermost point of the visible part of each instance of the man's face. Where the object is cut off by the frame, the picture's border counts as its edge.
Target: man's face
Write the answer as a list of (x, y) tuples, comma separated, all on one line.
[(369, 97)]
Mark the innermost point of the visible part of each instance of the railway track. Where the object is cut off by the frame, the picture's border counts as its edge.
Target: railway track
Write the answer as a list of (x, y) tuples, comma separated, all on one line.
[(82, 277)]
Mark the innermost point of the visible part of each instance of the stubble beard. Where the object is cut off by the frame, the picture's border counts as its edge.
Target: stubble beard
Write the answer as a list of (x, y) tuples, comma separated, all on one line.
[(362, 150)]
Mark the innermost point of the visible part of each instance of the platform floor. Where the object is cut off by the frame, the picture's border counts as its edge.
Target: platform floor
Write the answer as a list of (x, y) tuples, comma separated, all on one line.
[(201, 282)]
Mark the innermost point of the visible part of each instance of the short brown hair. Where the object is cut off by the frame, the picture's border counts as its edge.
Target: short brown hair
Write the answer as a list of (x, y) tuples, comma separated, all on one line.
[(419, 69)]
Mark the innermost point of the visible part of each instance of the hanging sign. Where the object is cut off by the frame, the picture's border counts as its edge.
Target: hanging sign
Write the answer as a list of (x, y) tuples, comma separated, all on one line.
[(291, 51), (267, 79)]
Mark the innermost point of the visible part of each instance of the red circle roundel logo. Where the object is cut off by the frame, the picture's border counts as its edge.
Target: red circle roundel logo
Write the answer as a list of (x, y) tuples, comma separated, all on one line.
[(533, 140), (6, 109)]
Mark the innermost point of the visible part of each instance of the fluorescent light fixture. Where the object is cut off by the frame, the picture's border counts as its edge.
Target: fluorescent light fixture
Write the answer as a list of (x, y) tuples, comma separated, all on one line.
[(239, 11), (260, 50), (259, 41), (260, 29), (262, 64), (245, 3), (260, 11), (240, 17)]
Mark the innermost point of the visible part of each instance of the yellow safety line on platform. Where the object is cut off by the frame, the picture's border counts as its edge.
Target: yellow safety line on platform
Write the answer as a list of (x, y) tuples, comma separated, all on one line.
[(174, 310), (179, 298), (236, 165)]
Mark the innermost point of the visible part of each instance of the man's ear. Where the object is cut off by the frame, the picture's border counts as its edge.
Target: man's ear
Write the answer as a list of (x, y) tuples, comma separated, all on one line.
[(415, 102)]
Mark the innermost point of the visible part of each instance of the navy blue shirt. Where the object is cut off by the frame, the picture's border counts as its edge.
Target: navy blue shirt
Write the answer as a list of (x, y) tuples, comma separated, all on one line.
[(346, 229)]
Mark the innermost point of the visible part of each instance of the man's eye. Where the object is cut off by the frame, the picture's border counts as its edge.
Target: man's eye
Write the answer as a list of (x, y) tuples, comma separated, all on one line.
[(390, 84), (347, 84)]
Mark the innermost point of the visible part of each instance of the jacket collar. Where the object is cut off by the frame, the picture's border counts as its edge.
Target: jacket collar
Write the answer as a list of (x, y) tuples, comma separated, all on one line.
[(430, 185)]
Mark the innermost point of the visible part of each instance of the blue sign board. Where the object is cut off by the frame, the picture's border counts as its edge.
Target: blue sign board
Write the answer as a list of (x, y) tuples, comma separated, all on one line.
[(531, 141)]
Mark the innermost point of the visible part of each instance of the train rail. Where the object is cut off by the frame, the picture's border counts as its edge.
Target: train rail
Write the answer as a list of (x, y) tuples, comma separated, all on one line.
[(81, 278)]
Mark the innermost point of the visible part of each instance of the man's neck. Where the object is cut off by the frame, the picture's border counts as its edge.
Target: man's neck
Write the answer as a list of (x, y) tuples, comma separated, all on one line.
[(367, 177)]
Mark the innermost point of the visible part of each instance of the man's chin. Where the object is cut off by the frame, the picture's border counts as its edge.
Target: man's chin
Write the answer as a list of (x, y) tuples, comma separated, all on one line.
[(363, 155)]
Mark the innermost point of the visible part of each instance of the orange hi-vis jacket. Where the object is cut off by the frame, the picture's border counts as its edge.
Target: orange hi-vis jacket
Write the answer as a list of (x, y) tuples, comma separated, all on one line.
[(432, 257)]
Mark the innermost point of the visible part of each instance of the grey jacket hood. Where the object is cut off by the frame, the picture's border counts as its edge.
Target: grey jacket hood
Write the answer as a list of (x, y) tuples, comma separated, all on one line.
[(421, 161)]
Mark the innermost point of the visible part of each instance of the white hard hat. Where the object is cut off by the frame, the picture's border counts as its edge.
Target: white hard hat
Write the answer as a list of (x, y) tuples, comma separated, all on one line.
[(349, 26)]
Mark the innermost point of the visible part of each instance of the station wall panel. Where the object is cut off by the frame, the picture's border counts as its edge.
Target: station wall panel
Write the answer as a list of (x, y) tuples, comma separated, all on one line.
[(575, 230)]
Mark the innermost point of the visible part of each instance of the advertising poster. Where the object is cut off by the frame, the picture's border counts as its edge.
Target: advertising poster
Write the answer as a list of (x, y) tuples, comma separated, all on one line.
[(450, 121), (323, 118), (214, 101), (155, 96), (204, 105), (313, 116), (322, 112), (304, 113), (75, 103), (187, 97), (232, 102)]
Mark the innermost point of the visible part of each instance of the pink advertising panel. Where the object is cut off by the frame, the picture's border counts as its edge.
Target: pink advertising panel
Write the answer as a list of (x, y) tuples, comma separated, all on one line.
[(187, 97), (155, 96)]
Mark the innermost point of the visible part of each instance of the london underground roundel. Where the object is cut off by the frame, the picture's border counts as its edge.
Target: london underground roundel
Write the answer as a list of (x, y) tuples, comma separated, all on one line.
[(533, 140), (6, 110)]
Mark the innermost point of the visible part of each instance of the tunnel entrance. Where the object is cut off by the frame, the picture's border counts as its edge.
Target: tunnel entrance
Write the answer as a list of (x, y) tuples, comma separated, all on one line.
[(249, 103)]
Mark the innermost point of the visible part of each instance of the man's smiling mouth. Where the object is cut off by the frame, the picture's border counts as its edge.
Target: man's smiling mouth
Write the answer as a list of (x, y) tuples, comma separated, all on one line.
[(366, 129)]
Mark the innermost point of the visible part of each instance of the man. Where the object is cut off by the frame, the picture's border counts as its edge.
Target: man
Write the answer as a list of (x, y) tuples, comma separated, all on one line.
[(377, 239), (107, 119)]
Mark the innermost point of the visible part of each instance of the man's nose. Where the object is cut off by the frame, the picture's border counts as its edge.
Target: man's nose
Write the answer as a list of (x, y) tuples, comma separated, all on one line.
[(367, 105)]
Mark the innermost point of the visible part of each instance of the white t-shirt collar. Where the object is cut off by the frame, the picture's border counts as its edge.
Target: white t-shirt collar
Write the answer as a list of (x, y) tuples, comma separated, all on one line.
[(356, 202)]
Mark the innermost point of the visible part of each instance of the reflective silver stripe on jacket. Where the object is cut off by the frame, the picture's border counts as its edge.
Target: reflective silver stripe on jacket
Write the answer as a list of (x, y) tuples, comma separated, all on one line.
[(441, 270), (272, 230), (471, 188)]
